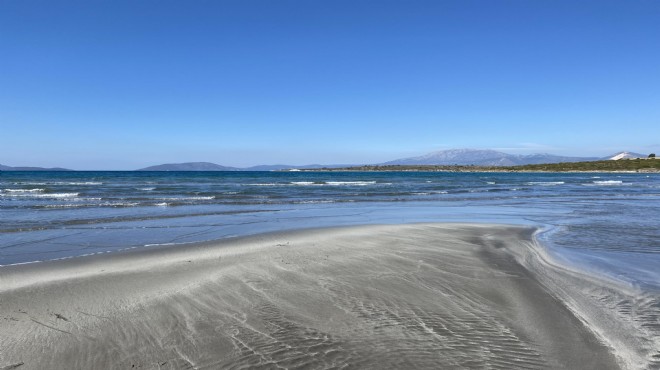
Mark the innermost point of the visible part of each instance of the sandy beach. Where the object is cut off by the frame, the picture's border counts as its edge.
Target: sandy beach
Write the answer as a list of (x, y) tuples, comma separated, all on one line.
[(384, 296)]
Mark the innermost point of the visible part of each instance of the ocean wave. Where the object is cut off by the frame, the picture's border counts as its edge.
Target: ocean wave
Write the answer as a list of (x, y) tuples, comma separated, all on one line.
[(317, 183), (79, 183), (24, 190), (146, 189), (430, 192), (40, 195), (67, 205), (314, 201), (545, 183), (91, 205), (608, 182), (179, 199), (119, 204), (350, 183)]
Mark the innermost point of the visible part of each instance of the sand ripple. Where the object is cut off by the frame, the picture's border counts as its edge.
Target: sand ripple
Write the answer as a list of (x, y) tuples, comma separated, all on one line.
[(414, 296)]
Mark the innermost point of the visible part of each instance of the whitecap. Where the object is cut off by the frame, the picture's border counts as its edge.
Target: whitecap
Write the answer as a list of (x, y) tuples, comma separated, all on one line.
[(79, 183), (545, 183), (350, 183), (608, 182), (40, 195), (314, 201), (24, 190), (188, 198)]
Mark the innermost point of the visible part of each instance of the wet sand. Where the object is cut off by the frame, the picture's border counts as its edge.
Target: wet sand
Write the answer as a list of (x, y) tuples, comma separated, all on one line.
[(391, 296)]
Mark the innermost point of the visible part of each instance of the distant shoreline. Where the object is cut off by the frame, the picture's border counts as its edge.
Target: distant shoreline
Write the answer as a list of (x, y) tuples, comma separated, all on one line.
[(638, 165), (620, 166)]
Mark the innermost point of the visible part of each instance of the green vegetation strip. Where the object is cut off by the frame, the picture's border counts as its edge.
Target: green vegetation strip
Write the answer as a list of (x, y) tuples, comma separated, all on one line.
[(624, 165)]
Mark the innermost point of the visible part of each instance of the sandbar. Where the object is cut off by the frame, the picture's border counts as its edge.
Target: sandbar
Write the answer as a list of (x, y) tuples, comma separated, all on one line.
[(361, 297)]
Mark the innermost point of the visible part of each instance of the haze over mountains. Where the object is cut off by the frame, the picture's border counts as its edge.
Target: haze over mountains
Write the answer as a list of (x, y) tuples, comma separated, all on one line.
[(484, 157), (10, 168), (207, 166), (477, 157)]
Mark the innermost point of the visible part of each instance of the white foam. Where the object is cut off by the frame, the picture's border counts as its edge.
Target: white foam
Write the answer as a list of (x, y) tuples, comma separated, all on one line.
[(545, 183), (314, 201), (79, 183), (64, 205), (119, 204), (350, 183), (60, 183), (39, 195), (80, 205), (608, 182), (188, 198), (164, 204), (56, 195), (24, 190), (146, 189)]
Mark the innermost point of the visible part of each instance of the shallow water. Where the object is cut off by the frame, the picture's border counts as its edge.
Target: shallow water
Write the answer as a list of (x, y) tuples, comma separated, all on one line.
[(602, 225), (607, 222)]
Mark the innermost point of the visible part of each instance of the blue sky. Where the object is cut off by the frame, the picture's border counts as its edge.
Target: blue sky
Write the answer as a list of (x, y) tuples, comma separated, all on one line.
[(125, 84)]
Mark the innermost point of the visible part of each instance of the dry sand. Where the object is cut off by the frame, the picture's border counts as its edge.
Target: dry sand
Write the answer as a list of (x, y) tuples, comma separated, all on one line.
[(405, 296)]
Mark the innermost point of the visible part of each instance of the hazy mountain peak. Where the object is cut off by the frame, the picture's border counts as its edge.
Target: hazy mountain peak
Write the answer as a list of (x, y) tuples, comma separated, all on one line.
[(625, 155), (23, 168), (189, 166), (483, 157)]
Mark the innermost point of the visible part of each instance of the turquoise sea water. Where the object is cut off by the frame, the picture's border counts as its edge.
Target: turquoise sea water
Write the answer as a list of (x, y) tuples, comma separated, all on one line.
[(605, 222)]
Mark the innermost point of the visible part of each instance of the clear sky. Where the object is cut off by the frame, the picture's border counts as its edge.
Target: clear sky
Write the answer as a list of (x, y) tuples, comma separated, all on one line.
[(125, 84)]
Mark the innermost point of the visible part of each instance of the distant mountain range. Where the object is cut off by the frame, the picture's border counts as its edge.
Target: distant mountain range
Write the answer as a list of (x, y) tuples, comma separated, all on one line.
[(207, 166), (463, 157), (9, 168), (484, 157), (189, 166)]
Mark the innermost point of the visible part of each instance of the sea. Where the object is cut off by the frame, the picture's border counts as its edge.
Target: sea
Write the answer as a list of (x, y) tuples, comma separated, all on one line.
[(608, 223), (601, 229)]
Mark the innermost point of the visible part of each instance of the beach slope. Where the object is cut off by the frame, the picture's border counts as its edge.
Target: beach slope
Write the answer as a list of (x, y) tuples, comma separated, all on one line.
[(385, 296)]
